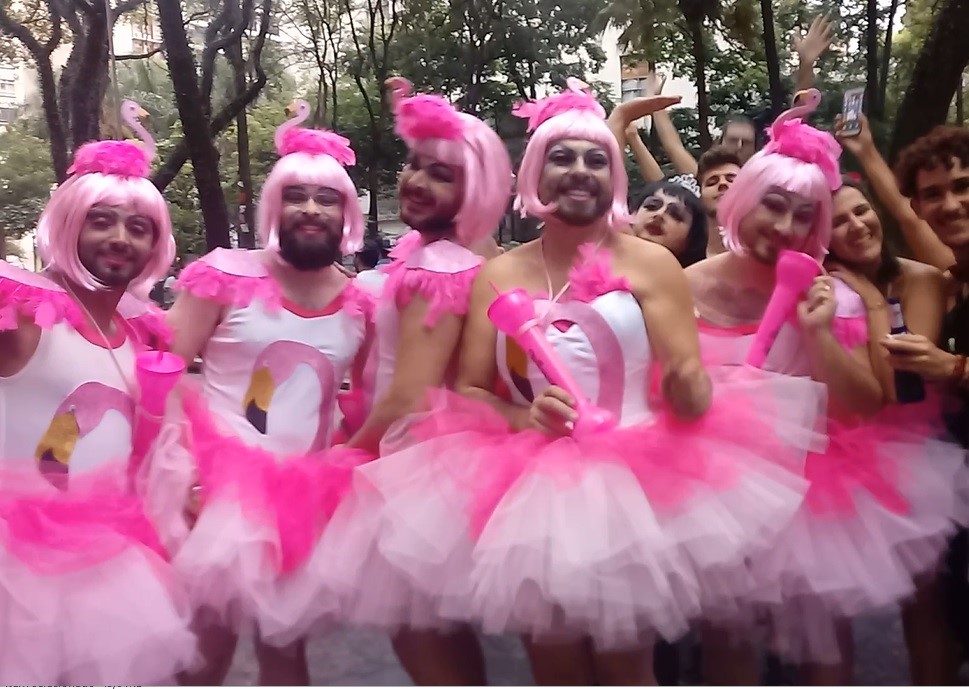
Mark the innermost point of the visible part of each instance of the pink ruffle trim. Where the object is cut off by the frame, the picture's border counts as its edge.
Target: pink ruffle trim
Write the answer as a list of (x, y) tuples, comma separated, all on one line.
[(208, 282), (56, 532), (297, 495), (46, 307), (444, 292), (592, 277)]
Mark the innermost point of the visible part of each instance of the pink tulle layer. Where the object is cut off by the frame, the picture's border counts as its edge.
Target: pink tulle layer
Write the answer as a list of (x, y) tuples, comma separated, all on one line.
[(296, 495), (57, 532), (634, 531), (86, 594), (251, 556), (883, 501)]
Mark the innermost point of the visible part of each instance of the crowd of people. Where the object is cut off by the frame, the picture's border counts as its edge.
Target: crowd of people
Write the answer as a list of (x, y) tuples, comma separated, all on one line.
[(594, 440)]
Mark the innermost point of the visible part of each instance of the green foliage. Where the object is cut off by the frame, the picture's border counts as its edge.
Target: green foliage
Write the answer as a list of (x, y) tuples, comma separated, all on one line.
[(26, 179)]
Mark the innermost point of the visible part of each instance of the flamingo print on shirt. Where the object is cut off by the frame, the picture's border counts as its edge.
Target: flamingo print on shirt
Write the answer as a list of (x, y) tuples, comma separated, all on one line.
[(274, 365), (79, 414)]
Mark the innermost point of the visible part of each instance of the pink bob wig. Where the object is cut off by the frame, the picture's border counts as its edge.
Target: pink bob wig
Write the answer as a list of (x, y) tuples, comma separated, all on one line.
[(61, 223), (799, 159), (309, 156), (307, 168), (572, 114), (431, 125)]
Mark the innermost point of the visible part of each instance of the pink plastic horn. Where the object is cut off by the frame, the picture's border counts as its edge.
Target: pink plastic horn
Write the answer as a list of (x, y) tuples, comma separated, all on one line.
[(513, 313), (795, 273), (157, 374)]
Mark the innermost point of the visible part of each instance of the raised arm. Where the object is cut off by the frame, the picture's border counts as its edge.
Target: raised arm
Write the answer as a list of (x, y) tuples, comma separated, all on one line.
[(810, 47), (648, 167), (924, 244)]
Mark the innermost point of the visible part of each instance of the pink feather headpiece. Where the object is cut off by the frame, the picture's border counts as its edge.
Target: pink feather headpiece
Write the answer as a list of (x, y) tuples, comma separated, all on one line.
[(577, 96), (121, 158), (422, 116), (791, 137), (317, 142)]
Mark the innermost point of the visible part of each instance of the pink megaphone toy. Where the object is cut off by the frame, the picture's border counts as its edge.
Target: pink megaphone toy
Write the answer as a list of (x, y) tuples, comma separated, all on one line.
[(795, 273), (513, 313), (157, 374)]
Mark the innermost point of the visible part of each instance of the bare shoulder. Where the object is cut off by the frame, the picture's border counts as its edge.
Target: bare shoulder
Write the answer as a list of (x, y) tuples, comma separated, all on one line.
[(502, 270), (632, 252), (918, 275)]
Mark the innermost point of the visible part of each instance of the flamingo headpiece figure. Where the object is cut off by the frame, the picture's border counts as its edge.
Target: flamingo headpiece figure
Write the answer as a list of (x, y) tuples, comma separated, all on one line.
[(432, 126), (107, 173), (309, 156), (798, 159)]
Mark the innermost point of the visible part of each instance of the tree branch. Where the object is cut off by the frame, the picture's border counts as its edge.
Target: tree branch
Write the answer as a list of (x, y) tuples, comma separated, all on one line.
[(222, 119), (142, 56)]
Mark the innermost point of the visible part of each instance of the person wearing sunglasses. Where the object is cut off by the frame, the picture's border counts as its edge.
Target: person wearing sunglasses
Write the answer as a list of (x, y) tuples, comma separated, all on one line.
[(671, 215)]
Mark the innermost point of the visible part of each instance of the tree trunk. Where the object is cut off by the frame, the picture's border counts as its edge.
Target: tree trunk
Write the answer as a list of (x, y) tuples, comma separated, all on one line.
[(777, 98), (247, 237), (936, 76), (52, 116), (198, 139), (871, 57), (700, 79), (879, 113)]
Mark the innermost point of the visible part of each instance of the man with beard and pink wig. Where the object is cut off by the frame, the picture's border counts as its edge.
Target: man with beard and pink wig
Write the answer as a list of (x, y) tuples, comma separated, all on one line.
[(279, 330), (454, 190), (87, 593)]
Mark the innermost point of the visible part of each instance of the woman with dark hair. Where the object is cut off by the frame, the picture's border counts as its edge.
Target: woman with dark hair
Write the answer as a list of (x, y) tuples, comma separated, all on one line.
[(862, 257), (671, 214)]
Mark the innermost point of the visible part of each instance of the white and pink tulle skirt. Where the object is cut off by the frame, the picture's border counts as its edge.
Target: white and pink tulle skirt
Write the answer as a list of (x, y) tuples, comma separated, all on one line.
[(87, 596), (615, 536), (252, 557), (883, 501)]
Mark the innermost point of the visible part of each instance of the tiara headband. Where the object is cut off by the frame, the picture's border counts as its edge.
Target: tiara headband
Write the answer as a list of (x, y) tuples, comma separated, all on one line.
[(422, 116), (687, 182), (291, 138), (118, 158), (791, 137), (576, 96)]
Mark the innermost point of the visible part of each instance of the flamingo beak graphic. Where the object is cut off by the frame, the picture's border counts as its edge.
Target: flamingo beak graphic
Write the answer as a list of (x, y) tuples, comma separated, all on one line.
[(55, 448), (291, 109), (141, 114), (255, 403), (517, 362)]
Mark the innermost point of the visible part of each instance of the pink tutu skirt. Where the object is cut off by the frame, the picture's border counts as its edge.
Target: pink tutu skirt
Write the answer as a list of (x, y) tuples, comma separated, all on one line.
[(883, 501), (87, 596), (252, 556), (613, 536)]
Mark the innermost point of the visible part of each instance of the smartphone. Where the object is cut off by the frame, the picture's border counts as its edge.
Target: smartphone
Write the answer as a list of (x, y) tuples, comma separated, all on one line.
[(851, 111)]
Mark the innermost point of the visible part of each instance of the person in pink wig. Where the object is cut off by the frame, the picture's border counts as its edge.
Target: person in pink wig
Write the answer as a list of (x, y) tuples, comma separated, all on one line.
[(280, 328), (868, 523), (87, 591), (589, 546), (454, 189)]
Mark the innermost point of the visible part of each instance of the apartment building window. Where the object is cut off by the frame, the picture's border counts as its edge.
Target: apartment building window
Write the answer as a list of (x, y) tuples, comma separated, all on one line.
[(635, 72), (8, 87), (7, 115)]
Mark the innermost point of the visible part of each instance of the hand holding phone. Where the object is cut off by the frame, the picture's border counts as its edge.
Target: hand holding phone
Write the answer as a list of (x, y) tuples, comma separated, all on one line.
[(851, 110)]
